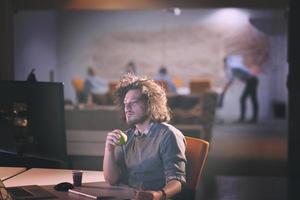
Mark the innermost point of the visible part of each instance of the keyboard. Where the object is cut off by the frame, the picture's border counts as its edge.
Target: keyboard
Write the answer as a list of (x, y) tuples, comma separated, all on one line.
[(18, 192)]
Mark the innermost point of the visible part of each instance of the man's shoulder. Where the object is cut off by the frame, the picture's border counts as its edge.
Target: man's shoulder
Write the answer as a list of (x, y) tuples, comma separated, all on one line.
[(166, 128), (162, 126)]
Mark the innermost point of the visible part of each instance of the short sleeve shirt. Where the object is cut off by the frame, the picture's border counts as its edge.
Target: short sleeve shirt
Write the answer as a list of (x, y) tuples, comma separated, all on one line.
[(237, 69), (95, 85), (151, 160)]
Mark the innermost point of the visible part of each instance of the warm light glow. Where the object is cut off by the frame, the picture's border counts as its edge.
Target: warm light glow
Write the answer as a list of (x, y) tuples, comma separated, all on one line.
[(228, 16), (177, 11), (174, 11)]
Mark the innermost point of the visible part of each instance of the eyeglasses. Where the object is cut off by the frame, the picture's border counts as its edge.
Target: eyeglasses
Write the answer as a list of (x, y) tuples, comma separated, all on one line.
[(132, 103)]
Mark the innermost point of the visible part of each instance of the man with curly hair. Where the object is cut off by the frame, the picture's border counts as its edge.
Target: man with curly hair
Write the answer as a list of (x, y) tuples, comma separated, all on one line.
[(153, 159)]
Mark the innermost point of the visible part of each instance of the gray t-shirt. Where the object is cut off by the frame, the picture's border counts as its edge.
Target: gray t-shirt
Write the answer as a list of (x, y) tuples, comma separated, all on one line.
[(151, 160)]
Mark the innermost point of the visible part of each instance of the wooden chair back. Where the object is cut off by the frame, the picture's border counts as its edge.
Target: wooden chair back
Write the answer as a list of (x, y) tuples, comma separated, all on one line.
[(196, 153)]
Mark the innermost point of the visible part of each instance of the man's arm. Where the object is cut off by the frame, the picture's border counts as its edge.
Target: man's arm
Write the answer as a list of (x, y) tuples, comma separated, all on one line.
[(110, 168), (221, 98), (171, 188), (227, 85)]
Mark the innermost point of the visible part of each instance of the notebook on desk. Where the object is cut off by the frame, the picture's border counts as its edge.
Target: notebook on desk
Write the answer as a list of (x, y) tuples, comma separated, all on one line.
[(24, 192), (104, 192)]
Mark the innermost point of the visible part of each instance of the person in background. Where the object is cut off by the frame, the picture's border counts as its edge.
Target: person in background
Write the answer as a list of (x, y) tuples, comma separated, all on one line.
[(164, 76), (31, 77), (94, 87), (235, 68), (130, 68), (153, 159)]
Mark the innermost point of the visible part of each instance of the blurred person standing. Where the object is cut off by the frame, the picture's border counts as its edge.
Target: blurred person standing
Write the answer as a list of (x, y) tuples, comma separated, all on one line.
[(235, 69)]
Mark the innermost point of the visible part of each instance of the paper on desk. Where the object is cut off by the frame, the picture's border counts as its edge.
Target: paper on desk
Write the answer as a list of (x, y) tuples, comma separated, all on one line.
[(104, 191)]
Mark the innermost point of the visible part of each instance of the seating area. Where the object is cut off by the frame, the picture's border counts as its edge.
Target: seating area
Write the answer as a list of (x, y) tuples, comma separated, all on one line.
[(194, 114), (200, 85)]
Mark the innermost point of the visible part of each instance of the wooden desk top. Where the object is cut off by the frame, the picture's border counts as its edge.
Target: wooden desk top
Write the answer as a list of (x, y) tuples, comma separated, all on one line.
[(96, 189), (6, 172), (39, 176), (92, 183)]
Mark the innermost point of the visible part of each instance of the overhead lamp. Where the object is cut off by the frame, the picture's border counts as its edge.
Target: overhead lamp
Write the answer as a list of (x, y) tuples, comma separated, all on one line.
[(174, 11)]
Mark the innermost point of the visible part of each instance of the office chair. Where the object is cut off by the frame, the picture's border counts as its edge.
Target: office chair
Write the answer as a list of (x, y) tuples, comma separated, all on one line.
[(78, 85), (200, 85), (196, 154)]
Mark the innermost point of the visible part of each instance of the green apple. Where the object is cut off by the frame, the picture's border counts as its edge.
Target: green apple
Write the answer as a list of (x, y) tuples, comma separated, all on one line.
[(123, 138)]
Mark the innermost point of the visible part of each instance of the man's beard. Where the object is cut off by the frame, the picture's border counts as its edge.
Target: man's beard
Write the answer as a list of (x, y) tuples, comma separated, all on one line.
[(140, 120)]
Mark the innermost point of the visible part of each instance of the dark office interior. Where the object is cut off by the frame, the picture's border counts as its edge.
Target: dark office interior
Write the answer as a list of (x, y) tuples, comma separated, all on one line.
[(59, 39)]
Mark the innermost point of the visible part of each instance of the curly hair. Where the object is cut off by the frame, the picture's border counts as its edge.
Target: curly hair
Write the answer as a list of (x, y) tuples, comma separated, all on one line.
[(153, 94)]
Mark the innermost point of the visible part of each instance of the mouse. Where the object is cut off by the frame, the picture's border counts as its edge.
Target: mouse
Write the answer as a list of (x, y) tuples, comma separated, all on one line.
[(63, 187)]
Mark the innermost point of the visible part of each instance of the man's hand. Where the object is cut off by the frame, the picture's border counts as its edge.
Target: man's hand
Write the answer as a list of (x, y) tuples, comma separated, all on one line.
[(110, 167), (112, 139), (148, 195)]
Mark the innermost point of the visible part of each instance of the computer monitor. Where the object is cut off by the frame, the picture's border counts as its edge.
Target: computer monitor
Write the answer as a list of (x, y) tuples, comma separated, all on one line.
[(32, 123)]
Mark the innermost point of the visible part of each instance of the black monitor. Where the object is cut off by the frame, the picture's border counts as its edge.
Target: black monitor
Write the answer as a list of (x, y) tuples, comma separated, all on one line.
[(32, 124)]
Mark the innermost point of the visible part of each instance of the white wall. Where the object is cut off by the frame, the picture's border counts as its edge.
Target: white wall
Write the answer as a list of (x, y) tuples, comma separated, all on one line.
[(35, 44)]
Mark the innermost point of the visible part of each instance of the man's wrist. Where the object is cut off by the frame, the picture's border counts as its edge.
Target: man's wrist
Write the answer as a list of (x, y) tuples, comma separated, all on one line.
[(109, 148), (164, 195)]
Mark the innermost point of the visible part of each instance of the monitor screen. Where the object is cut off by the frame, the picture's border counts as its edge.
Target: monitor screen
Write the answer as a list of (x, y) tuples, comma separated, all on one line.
[(32, 123)]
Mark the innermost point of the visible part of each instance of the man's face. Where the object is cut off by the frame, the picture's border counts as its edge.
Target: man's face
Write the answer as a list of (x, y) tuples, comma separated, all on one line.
[(135, 107)]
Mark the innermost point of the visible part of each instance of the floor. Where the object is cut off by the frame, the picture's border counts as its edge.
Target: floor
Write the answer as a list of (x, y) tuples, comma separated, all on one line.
[(246, 161)]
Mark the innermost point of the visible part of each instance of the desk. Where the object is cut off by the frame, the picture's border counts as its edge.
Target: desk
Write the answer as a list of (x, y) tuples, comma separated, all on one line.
[(6, 172), (97, 189), (92, 180), (39, 176)]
